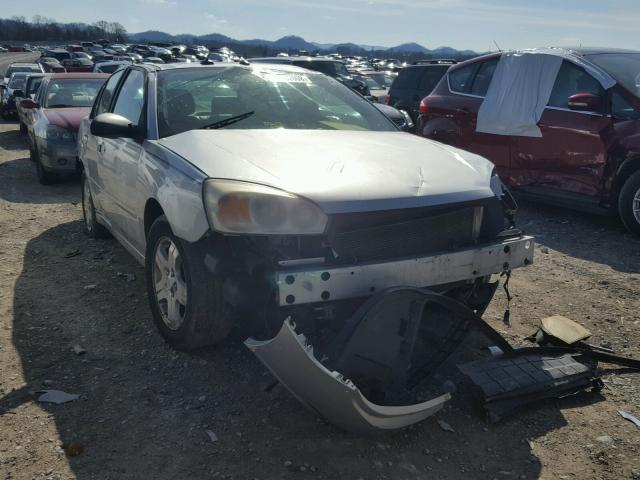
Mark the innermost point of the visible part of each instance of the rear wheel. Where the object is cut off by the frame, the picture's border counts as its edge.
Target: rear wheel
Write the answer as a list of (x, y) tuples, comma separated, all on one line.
[(629, 203), (4, 114), (91, 226), (185, 298), (23, 128)]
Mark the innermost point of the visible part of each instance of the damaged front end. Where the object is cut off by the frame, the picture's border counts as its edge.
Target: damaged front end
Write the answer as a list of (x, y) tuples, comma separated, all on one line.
[(383, 297)]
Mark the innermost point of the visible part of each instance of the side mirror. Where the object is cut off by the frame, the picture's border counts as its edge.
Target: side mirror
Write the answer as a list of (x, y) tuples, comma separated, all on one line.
[(28, 103), (18, 93), (111, 125), (584, 102)]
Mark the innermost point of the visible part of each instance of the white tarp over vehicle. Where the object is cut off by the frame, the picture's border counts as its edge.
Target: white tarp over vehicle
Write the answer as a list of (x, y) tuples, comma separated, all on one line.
[(521, 87)]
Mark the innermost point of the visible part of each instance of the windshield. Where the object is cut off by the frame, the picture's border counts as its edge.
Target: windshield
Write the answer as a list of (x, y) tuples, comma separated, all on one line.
[(194, 98), (110, 68), (72, 92), (382, 79), (623, 67), (22, 68), (34, 84), (17, 82)]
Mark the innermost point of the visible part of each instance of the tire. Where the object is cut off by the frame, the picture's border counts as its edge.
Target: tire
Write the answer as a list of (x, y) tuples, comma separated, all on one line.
[(206, 318), (91, 226), (629, 203), (23, 128), (44, 177)]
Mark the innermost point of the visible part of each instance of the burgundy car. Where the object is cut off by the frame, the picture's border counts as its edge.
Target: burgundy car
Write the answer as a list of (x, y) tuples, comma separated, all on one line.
[(587, 155), (62, 101)]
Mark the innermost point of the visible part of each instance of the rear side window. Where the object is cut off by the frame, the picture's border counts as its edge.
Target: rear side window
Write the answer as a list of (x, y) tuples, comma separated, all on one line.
[(407, 79), (483, 77), (572, 79), (107, 93), (430, 78), (460, 78)]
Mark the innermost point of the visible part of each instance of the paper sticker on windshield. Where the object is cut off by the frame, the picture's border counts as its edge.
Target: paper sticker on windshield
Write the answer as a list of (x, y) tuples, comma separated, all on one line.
[(283, 77)]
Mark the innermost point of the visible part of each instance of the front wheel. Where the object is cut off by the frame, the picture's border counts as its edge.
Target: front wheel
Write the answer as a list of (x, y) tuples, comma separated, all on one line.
[(185, 298), (44, 177), (629, 203)]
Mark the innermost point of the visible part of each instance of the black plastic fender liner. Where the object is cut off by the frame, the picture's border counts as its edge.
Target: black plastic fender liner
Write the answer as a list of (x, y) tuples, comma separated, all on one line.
[(375, 347)]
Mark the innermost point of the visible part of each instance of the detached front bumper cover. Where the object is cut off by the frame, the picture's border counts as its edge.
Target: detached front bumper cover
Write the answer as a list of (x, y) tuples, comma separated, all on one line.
[(291, 360)]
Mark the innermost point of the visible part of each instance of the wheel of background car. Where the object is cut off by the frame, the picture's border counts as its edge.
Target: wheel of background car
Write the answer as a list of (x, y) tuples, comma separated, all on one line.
[(4, 114), (185, 298), (91, 226), (44, 177), (23, 128), (629, 203)]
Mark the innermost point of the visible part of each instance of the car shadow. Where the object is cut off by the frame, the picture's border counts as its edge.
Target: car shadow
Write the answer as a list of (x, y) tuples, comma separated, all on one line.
[(595, 238), (20, 185), (145, 409), (12, 139)]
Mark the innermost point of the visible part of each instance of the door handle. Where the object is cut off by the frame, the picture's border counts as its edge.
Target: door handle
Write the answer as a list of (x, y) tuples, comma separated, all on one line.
[(101, 148)]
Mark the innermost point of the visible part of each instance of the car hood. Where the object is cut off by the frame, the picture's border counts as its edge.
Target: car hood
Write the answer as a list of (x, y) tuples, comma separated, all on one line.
[(341, 171), (68, 118)]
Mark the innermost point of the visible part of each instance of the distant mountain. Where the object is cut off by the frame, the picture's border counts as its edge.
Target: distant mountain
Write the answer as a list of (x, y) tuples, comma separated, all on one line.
[(409, 48), (295, 43)]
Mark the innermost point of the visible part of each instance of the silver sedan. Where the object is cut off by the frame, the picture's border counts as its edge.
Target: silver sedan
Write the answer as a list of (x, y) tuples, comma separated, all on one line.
[(269, 192)]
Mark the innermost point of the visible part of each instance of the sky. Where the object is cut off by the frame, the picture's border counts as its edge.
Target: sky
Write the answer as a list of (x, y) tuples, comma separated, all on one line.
[(464, 24)]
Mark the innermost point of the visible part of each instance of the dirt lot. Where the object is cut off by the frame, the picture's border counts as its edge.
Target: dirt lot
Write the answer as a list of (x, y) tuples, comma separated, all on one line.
[(143, 408)]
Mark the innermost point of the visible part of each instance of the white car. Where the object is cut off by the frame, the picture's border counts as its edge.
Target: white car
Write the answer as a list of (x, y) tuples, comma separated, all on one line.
[(258, 193)]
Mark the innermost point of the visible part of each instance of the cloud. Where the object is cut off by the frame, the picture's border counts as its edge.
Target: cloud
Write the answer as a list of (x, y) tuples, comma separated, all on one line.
[(216, 20)]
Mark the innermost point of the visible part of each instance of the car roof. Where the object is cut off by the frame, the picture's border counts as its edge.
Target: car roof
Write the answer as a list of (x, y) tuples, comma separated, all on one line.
[(22, 64), (56, 76)]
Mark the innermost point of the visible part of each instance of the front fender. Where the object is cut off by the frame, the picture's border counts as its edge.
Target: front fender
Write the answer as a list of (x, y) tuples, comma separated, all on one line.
[(177, 186)]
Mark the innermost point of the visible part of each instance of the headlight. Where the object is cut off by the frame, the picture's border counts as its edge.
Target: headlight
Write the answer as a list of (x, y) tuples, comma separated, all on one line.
[(248, 208), (58, 133)]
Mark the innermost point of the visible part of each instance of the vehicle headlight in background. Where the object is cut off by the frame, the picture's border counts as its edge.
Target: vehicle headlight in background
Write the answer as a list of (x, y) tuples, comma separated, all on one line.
[(58, 133), (247, 208)]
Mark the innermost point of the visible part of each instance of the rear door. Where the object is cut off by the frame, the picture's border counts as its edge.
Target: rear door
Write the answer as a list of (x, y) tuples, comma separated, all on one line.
[(93, 149), (571, 155), (468, 86)]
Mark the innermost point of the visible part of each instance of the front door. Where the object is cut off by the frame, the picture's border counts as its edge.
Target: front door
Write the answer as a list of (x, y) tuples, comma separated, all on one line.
[(125, 156), (571, 155)]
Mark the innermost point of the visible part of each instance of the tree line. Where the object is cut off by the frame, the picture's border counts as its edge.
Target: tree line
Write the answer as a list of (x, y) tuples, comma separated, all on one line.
[(43, 29)]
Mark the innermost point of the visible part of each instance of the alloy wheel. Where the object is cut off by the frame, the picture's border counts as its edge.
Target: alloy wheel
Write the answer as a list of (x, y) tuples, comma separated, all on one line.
[(635, 206), (169, 283)]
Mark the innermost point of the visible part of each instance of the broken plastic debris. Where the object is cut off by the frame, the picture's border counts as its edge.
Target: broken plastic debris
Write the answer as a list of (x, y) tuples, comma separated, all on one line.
[(57, 396), (630, 417), (78, 350), (328, 393), (90, 287), (445, 426), (212, 436)]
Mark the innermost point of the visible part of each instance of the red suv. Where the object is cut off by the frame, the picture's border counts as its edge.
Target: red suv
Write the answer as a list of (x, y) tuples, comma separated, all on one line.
[(588, 156)]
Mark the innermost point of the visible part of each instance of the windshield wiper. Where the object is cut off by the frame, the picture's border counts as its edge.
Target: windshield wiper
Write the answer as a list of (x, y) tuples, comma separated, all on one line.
[(228, 121)]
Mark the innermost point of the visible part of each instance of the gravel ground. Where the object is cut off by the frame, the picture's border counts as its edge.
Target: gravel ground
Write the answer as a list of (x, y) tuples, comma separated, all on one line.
[(144, 409)]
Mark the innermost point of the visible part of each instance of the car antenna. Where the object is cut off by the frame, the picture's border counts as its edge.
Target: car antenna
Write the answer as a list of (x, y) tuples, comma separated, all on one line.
[(497, 46)]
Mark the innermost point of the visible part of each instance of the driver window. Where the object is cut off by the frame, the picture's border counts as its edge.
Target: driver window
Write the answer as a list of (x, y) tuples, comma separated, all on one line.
[(572, 79), (130, 100), (107, 93)]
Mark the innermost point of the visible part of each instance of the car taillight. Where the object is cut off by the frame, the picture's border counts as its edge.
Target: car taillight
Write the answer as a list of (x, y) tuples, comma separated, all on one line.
[(424, 106)]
